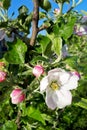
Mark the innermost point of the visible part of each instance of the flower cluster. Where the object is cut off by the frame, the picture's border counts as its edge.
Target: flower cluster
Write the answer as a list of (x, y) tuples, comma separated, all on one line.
[(57, 85)]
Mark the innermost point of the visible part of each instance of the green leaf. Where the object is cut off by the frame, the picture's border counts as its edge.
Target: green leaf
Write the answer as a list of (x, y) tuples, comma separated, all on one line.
[(82, 103), (16, 53), (35, 114), (44, 41), (9, 125), (67, 29), (72, 61), (57, 45), (6, 4)]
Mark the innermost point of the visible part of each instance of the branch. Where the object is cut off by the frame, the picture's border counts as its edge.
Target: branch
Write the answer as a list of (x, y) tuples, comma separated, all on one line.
[(35, 22), (42, 27)]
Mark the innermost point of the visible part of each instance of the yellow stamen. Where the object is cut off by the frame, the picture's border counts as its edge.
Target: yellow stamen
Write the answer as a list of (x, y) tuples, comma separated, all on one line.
[(54, 86)]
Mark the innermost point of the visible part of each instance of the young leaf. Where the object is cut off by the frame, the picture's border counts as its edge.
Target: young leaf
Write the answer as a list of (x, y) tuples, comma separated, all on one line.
[(82, 103), (16, 53), (57, 45), (35, 114)]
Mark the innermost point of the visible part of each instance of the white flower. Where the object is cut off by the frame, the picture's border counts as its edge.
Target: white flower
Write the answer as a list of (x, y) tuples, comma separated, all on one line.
[(57, 84)]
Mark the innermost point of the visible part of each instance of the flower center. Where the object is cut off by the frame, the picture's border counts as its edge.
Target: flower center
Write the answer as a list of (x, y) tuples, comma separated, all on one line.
[(54, 86)]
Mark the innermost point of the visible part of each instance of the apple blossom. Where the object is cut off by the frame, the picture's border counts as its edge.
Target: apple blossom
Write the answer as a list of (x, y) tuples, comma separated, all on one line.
[(2, 76), (38, 70), (57, 85), (84, 19), (17, 96), (56, 11), (80, 30)]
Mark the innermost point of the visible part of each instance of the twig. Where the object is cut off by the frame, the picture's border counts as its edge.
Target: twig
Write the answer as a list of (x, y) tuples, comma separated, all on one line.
[(35, 20)]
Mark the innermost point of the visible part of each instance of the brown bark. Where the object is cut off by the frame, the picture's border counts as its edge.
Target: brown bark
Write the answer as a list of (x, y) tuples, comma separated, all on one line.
[(35, 20)]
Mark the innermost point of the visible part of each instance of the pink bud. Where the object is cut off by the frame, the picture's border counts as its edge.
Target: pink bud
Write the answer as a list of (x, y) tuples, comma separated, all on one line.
[(17, 96), (56, 11), (76, 74), (2, 76), (38, 70)]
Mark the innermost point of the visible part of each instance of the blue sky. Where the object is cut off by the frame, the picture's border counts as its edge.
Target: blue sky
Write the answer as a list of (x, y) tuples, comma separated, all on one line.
[(15, 4)]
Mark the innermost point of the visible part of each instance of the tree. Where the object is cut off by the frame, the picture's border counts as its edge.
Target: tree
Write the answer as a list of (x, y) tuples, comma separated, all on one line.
[(43, 77)]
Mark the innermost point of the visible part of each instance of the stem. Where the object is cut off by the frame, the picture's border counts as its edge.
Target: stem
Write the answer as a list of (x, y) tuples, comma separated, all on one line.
[(61, 7), (35, 22), (18, 119)]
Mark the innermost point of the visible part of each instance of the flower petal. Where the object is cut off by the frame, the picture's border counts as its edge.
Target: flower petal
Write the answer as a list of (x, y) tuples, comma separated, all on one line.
[(64, 98), (64, 77), (43, 84), (59, 98), (71, 84), (49, 99)]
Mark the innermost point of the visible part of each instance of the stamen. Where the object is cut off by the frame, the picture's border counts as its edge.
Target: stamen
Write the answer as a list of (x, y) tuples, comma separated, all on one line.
[(54, 86)]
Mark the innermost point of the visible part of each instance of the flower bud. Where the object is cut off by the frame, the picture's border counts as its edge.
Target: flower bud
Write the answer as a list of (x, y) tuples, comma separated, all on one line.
[(2, 76), (38, 70), (75, 73), (17, 96), (56, 11)]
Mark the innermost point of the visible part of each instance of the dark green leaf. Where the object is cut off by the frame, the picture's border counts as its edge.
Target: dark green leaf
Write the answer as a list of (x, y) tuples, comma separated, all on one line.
[(9, 125), (6, 4)]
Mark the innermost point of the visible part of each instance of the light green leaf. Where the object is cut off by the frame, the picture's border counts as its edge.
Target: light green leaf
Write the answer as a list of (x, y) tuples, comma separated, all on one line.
[(16, 53), (82, 103), (35, 114), (57, 45)]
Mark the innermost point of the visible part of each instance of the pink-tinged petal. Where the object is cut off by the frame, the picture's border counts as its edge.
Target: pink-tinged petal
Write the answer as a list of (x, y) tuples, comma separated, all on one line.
[(2, 76), (75, 73), (71, 84), (18, 99), (17, 96), (38, 70), (43, 84)]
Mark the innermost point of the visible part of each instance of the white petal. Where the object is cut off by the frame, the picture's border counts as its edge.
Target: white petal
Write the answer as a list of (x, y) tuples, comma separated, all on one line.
[(49, 99), (64, 98), (59, 98), (55, 70), (71, 84), (64, 77), (43, 84)]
